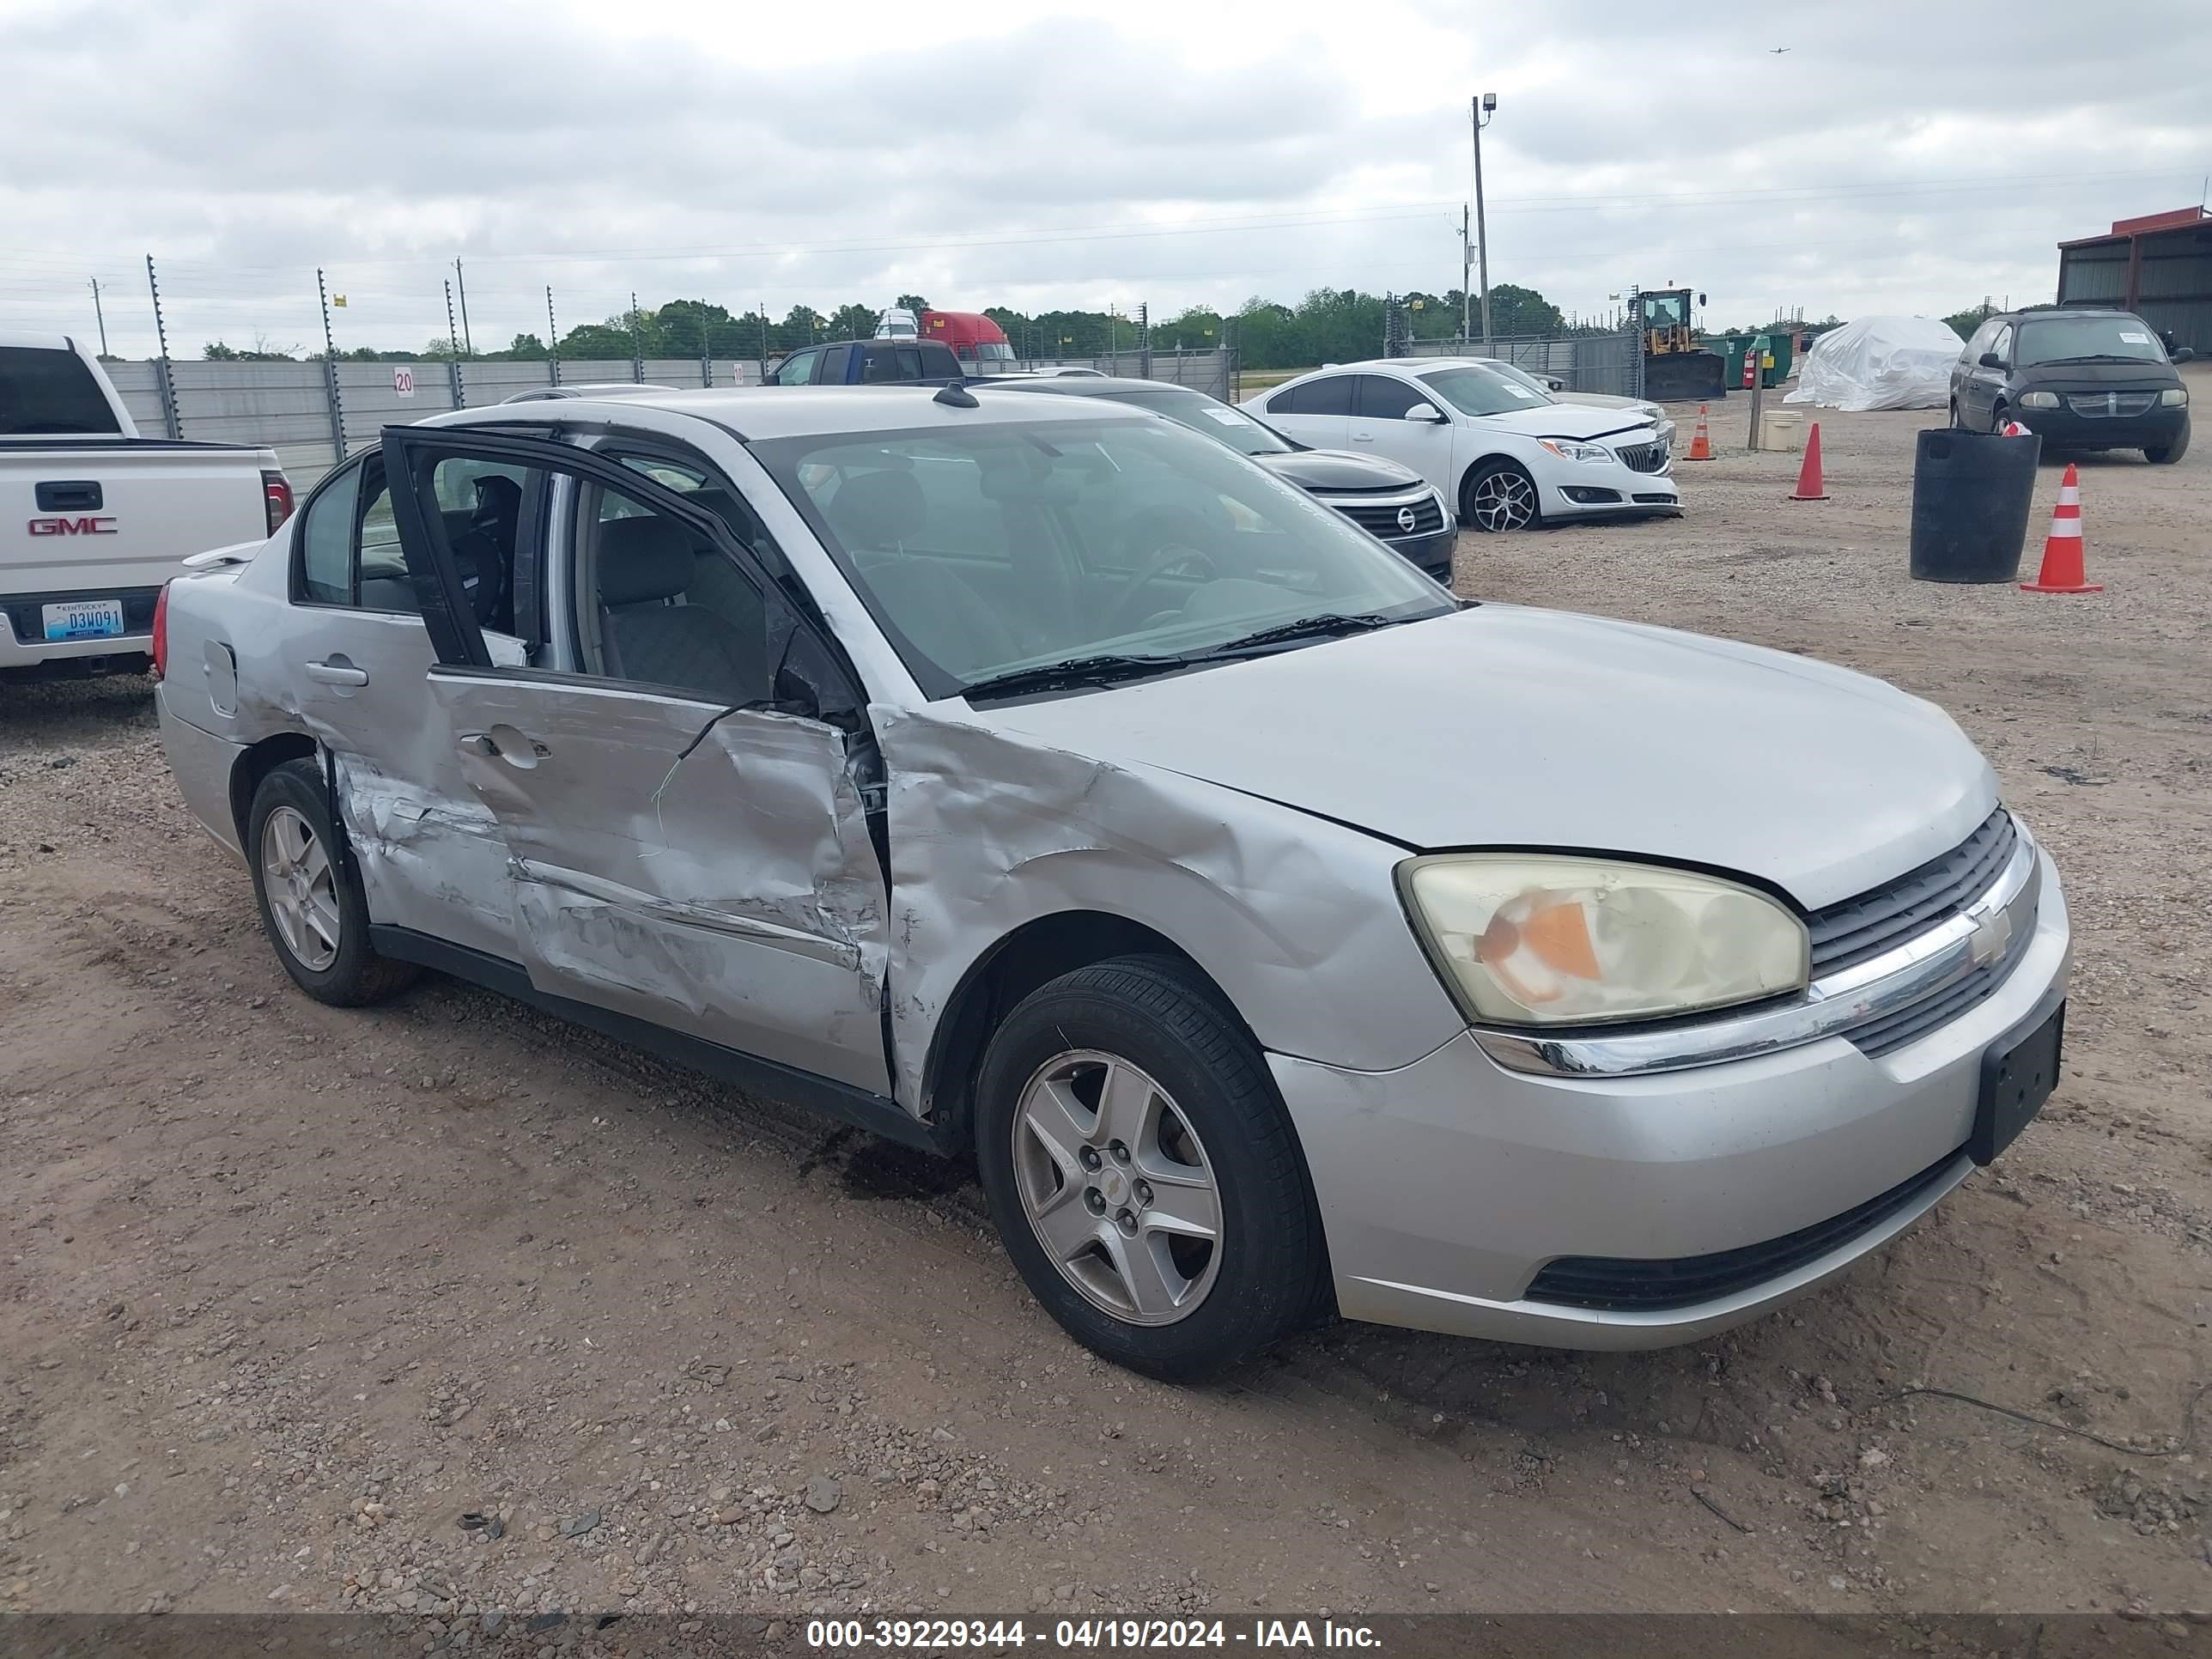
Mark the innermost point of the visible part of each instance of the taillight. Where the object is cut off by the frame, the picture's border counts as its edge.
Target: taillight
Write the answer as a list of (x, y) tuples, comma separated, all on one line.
[(277, 491), (161, 626)]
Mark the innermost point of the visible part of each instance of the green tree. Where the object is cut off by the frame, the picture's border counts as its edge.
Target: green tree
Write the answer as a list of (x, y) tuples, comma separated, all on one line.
[(853, 322), (598, 342), (912, 302), (1514, 311)]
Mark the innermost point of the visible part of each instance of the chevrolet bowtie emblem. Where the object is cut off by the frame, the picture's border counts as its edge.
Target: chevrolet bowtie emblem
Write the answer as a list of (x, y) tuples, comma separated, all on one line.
[(1992, 937)]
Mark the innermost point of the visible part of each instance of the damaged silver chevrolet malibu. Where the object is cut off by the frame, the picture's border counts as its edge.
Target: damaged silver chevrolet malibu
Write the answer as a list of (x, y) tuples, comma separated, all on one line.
[(1035, 778)]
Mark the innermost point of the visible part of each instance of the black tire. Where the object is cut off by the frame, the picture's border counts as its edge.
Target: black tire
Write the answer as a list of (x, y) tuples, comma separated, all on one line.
[(355, 974), (1998, 416), (2167, 455), (1958, 421), (1471, 487), (1153, 1013)]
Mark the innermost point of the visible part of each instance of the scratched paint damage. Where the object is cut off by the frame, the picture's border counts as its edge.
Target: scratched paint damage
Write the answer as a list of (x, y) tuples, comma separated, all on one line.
[(991, 829)]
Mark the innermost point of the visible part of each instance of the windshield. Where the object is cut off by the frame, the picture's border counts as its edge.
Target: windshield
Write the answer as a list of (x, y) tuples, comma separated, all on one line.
[(999, 547), (1478, 391), (1216, 420), (1521, 377), (2053, 339)]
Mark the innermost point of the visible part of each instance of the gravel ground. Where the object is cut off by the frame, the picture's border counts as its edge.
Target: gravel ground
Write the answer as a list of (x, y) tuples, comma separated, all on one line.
[(447, 1308)]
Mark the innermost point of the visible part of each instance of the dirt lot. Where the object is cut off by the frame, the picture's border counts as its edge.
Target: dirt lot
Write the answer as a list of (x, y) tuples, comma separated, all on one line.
[(286, 1292)]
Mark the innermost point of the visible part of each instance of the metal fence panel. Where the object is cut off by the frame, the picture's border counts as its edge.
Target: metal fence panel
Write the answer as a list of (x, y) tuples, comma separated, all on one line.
[(1608, 363)]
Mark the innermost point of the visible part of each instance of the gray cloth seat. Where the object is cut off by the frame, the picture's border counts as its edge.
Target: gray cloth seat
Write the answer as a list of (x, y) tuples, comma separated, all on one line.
[(939, 613), (644, 565)]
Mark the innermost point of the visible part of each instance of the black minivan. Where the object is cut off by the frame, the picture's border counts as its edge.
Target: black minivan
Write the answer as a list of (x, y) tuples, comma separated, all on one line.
[(2081, 377)]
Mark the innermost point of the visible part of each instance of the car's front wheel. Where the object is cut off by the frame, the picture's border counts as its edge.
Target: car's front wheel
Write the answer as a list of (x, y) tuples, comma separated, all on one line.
[(1142, 1171), (2167, 454), (1499, 495), (311, 902)]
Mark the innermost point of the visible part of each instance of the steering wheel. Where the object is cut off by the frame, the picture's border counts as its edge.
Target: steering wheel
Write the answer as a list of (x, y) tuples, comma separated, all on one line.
[(1171, 532), (1173, 557)]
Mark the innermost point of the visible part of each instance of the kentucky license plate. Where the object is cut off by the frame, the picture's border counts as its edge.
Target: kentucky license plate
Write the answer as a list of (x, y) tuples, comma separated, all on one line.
[(83, 619)]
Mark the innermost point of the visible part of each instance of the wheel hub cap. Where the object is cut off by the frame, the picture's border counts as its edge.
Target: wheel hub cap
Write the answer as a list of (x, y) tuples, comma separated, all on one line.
[(301, 887), (1116, 1187)]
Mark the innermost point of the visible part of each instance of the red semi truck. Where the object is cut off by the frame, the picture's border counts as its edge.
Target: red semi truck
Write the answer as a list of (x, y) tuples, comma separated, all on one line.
[(975, 338)]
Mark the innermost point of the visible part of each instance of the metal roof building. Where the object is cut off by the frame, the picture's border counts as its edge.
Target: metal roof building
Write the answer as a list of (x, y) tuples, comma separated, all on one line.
[(2159, 266)]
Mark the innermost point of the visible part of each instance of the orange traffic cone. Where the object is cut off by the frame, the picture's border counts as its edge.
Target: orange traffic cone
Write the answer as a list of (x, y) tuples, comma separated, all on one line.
[(1701, 444), (2062, 549), (1809, 486)]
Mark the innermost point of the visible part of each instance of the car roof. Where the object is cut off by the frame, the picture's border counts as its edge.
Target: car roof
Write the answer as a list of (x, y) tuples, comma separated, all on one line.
[(9, 337), (2029, 313), (757, 411)]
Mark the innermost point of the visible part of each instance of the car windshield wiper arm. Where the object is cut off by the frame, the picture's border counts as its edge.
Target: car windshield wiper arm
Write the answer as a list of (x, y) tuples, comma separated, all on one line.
[(1323, 627), (2088, 357), (1073, 670)]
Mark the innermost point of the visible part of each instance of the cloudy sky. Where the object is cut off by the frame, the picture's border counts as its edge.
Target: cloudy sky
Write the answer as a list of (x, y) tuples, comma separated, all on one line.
[(1037, 153)]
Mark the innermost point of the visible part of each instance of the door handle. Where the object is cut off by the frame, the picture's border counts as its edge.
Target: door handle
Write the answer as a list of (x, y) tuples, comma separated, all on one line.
[(1362, 437), (337, 673)]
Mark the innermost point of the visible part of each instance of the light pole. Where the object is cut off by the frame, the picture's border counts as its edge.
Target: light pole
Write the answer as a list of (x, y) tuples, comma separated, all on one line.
[(1479, 112)]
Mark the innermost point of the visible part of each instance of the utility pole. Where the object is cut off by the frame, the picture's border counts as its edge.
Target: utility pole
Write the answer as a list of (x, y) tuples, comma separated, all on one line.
[(552, 337), (468, 345), (1480, 111), (1466, 273), (636, 344), (101, 314)]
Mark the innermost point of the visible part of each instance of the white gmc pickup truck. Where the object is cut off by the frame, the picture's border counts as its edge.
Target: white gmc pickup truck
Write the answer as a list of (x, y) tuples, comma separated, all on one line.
[(94, 518)]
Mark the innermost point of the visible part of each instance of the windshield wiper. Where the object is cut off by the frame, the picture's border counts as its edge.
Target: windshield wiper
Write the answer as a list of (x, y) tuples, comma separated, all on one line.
[(1327, 626), (1074, 671), (2088, 357)]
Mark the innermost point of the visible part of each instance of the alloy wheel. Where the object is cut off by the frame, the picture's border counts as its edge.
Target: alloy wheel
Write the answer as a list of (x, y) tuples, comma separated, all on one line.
[(1502, 501), (302, 889), (1116, 1187)]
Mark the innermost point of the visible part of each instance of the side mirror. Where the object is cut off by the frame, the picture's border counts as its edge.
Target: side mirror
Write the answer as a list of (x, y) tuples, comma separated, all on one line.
[(1990, 360), (1555, 383), (2184, 354), (1428, 412)]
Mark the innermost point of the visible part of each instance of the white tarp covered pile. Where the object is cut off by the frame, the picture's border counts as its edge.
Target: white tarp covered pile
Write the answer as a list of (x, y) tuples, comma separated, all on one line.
[(1880, 362)]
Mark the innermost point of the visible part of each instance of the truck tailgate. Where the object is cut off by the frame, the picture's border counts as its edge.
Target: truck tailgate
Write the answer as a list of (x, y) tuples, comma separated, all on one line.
[(88, 518)]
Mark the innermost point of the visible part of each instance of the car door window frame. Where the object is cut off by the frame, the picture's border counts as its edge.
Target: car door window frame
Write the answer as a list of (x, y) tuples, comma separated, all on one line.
[(2001, 344), (459, 639), (365, 473)]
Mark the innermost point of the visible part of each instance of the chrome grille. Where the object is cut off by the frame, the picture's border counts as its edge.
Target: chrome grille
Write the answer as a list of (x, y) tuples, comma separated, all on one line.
[(1643, 458), (1381, 518), (1859, 928), (2106, 406)]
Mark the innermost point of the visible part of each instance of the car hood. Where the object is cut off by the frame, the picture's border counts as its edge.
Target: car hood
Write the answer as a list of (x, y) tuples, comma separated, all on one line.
[(1504, 727), (1332, 469), (1567, 421), (2099, 377)]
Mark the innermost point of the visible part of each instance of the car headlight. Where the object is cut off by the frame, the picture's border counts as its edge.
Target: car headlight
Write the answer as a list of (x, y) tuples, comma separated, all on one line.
[(2038, 400), (2174, 397), (1541, 938), (1568, 450)]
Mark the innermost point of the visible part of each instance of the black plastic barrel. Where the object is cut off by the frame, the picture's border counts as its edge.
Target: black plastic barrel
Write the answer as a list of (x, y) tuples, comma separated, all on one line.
[(1971, 492)]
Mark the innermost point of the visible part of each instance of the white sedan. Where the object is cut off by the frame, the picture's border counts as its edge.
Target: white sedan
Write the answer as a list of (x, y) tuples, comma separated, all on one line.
[(1508, 461)]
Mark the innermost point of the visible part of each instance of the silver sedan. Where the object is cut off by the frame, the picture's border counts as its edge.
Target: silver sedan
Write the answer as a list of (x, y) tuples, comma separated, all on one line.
[(1034, 780)]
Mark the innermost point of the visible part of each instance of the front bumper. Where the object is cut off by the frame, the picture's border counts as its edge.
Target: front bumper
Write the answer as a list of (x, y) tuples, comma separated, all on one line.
[(1432, 554), (2061, 428), (1446, 1186)]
